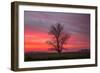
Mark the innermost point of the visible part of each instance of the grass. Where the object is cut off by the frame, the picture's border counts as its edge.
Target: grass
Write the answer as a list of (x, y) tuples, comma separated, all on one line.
[(41, 56)]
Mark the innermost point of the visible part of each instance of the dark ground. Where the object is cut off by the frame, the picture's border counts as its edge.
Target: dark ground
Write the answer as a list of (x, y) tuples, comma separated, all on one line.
[(40, 56)]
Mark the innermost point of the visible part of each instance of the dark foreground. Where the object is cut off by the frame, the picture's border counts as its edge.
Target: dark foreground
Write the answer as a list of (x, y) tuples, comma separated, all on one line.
[(39, 56)]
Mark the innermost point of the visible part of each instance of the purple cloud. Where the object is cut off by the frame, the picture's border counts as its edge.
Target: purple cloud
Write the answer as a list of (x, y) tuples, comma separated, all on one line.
[(74, 23)]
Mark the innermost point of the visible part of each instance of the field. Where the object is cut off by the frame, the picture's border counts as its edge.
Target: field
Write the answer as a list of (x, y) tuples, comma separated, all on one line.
[(40, 56)]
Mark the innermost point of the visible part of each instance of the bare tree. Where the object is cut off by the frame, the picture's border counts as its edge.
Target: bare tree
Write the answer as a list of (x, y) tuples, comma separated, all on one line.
[(59, 38)]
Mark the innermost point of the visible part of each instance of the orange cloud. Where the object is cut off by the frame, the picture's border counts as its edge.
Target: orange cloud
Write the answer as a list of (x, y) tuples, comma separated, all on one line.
[(36, 41)]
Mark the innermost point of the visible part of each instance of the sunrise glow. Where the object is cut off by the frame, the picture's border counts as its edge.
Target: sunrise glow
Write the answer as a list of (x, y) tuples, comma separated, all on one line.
[(37, 25)]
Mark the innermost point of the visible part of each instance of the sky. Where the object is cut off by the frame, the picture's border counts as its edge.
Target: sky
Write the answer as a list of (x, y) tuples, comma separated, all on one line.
[(37, 25)]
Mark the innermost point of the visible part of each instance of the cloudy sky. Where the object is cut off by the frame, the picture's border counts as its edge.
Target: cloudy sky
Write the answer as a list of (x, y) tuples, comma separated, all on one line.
[(37, 25)]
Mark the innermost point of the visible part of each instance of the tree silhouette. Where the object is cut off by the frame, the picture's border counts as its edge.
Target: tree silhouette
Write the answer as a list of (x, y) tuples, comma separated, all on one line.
[(59, 38)]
